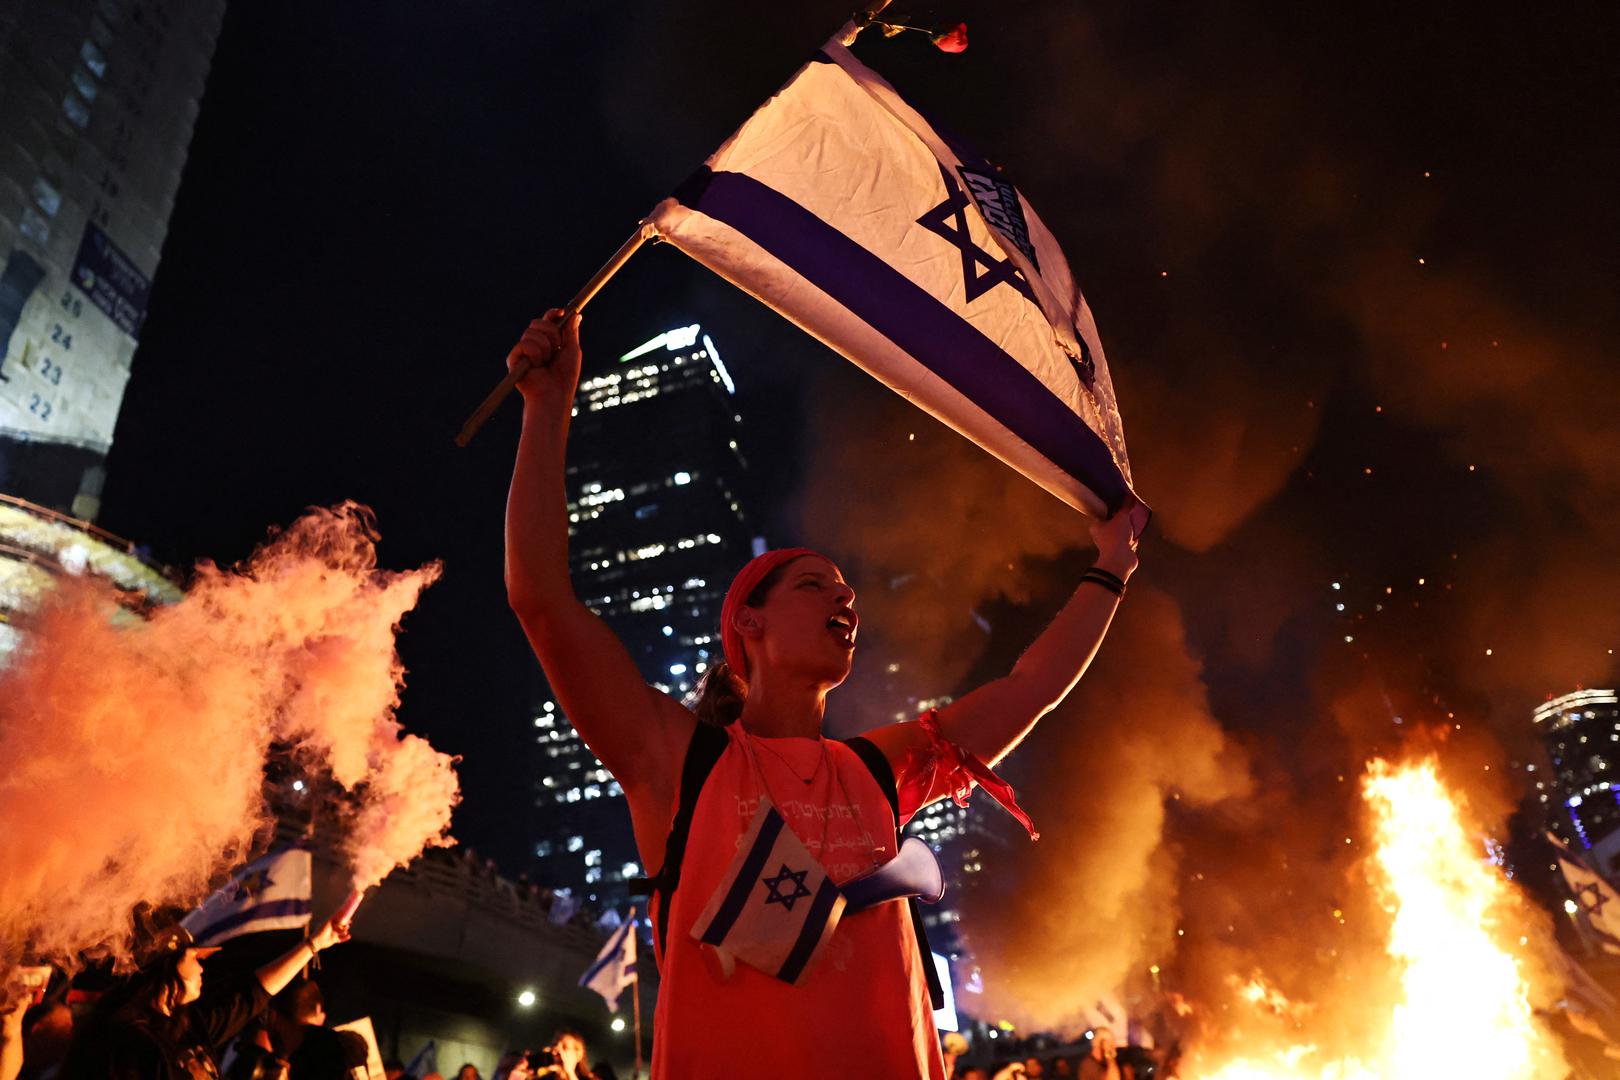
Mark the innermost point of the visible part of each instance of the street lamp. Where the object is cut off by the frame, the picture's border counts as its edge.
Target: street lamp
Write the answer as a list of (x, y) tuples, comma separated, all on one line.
[(526, 999)]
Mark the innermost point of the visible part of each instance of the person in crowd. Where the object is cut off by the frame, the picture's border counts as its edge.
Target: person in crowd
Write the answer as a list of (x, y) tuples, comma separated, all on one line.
[(298, 1032), (952, 1046), (393, 1069), (159, 1025), (1027, 1069), (788, 630), (1103, 1062), (568, 1058), (468, 1071), (47, 1034), (973, 1072)]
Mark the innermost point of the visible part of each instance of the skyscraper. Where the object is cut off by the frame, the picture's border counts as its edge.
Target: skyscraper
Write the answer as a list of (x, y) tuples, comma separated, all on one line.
[(100, 97), (1581, 734), (657, 526)]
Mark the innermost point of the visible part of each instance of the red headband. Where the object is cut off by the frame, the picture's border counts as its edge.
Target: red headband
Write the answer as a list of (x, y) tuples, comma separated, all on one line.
[(746, 581)]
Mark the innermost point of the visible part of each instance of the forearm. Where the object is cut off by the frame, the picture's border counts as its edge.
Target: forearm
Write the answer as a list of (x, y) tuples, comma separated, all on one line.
[(993, 719), (275, 975), (11, 1043), (537, 515), (1056, 660)]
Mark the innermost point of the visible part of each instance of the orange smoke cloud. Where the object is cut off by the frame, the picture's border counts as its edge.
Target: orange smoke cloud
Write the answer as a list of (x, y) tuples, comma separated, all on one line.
[(132, 752)]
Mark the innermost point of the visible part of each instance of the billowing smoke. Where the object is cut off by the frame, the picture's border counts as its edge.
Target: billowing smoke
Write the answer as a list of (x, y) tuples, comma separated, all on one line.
[(133, 750), (1366, 375), (936, 530)]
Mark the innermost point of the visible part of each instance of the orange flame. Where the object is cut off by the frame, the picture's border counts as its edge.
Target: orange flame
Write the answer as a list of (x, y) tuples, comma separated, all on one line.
[(1463, 1006)]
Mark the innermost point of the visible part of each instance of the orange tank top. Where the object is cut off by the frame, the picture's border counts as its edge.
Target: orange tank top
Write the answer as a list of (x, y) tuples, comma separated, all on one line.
[(863, 1010)]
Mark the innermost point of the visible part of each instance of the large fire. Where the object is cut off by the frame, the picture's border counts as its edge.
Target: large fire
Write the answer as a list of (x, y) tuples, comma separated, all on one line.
[(1463, 1004)]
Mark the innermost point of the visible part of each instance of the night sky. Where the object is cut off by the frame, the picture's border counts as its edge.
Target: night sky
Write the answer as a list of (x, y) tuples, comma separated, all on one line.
[(1355, 269)]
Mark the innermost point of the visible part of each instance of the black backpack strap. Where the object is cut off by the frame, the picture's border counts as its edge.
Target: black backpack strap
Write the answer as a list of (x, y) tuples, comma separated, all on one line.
[(883, 773), (708, 743)]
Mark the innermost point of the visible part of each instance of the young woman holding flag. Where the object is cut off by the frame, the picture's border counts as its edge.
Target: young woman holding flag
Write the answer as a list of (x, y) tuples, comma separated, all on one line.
[(789, 627)]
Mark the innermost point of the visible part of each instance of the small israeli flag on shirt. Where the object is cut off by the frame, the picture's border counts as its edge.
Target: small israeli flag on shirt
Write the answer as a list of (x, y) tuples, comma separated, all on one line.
[(775, 907), (270, 893)]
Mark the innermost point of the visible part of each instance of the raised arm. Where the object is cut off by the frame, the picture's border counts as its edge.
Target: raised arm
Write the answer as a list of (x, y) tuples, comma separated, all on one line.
[(637, 732), (994, 718)]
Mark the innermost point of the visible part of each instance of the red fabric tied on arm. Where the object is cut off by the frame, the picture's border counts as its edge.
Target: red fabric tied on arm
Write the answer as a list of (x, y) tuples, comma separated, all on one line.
[(961, 770)]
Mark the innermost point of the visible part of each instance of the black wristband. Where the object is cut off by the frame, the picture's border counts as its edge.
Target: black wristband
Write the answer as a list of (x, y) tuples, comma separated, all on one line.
[(1099, 576)]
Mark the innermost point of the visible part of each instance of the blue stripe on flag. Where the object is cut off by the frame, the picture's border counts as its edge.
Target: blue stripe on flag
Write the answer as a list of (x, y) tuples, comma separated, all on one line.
[(815, 921), (747, 877), (900, 310), (613, 950), (274, 909)]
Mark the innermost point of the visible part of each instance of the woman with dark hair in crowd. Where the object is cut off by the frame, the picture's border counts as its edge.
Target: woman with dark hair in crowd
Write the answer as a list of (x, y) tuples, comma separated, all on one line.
[(158, 1025), (788, 627)]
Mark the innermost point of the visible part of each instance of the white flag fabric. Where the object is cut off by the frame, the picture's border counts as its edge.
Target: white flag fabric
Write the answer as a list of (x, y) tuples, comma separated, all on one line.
[(1597, 899), (615, 966), (270, 893), (775, 908), (892, 241)]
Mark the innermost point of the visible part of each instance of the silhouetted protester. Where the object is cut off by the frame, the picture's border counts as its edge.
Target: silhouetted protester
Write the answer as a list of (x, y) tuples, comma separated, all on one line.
[(159, 1024), (751, 990), (952, 1045), (354, 1055), (1103, 1062), (298, 1033), (47, 1034), (469, 1071)]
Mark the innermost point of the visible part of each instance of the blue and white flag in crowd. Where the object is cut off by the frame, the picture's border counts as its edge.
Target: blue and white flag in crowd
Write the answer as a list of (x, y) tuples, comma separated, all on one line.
[(426, 1061), (885, 236), (564, 906), (1597, 900), (775, 908), (270, 893), (615, 966)]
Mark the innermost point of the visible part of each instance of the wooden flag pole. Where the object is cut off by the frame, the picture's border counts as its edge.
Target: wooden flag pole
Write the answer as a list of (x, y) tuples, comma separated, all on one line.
[(644, 232)]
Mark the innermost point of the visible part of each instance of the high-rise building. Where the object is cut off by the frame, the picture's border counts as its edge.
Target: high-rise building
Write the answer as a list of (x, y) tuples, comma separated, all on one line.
[(100, 97), (1581, 734), (657, 527)]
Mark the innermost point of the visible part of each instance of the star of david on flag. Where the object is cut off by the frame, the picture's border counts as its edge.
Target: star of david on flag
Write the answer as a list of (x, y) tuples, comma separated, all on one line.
[(775, 908), (1598, 901), (270, 893), (882, 234)]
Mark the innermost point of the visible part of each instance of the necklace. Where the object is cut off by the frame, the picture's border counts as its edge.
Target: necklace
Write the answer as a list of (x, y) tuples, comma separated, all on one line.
[(779, 756), (874, 852)]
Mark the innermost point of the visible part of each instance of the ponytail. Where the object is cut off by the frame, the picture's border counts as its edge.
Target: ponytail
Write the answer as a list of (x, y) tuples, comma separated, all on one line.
[(719, 696)]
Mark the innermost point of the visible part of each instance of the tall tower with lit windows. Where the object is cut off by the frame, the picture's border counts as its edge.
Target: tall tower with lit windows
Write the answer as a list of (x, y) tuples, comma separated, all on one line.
[(657, 528), (100, 98), (1581, 734)]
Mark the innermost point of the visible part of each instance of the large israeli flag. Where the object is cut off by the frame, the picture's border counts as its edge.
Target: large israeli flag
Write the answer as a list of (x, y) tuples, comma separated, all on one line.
[(270, 893), (892, 241)]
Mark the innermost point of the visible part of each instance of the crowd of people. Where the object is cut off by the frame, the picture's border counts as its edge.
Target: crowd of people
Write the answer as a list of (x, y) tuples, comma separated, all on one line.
[(1101, 1058), (170, 1020)]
